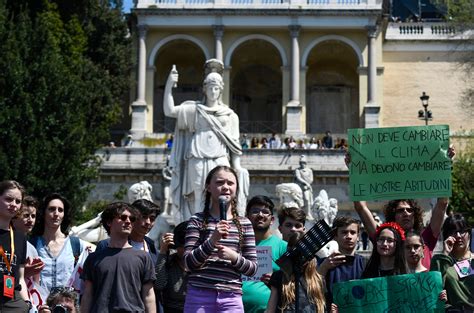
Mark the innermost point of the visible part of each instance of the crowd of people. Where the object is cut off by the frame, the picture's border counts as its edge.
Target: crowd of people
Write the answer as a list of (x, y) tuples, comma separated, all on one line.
[(276, 142), (199, 266)]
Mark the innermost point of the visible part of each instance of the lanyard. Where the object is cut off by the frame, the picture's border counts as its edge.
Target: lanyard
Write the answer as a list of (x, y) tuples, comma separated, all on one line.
[(8, 263)]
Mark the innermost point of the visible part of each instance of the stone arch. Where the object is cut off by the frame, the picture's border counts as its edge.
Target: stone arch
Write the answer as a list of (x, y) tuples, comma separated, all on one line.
[(238, 42), (345, 40), (332, 87), (163, 42), (189, 58), (256, 86)]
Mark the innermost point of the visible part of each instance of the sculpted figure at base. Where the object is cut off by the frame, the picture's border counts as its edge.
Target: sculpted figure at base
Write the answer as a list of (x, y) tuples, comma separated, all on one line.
[(290, 195), (304, 178), (325, 207), (167, 174), (206, 135)]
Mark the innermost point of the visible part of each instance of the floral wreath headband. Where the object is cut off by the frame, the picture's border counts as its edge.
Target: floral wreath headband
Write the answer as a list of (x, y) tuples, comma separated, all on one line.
[(393, 225)]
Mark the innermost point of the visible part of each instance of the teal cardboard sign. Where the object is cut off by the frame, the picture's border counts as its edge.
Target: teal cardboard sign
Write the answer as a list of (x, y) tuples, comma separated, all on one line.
[(399, 163), (400, 293)]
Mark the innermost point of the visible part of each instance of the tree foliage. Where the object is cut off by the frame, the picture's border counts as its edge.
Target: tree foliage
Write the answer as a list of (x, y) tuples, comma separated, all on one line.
[(462, 200), (65, 72)]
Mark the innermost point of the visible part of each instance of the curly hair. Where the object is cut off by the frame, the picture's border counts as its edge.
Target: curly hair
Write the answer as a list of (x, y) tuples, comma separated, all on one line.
[(313, 280), (113, 210), (390, 212)]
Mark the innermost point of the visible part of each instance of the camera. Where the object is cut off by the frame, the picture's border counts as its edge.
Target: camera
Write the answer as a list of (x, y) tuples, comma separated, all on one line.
[(58, 308)]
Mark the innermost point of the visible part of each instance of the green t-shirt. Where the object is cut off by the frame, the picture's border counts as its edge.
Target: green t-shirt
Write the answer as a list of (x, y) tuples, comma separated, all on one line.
[(459, 290), (256, 293)]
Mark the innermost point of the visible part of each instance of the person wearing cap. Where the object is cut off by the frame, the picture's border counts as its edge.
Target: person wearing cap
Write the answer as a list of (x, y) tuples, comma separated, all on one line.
[(170, 273)]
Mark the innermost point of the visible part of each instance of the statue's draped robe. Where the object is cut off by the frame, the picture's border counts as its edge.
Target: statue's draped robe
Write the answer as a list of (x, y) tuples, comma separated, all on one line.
[(204, 138)]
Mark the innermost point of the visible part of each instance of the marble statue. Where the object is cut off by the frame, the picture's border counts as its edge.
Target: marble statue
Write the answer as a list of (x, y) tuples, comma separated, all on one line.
[(91, 231), (206, 135), (167, 173), (325, 207), (141, 190), (290, 195), (304, 178)]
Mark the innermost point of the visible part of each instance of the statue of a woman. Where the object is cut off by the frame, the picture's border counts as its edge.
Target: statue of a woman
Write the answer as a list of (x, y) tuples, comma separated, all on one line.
[(206, 135)]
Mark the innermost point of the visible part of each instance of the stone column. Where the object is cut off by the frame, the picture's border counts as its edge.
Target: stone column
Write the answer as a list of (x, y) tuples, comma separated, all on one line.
[(218, 34), (371, 109), (293, 108), (295, 64), (139, 106)]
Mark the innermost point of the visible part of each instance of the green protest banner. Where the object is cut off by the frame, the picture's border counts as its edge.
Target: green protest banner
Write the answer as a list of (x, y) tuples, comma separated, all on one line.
[(399, 163), (400, 293)]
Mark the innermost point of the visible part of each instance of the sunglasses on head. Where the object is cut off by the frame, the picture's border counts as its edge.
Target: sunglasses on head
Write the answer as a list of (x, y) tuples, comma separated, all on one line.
[(124, 218)]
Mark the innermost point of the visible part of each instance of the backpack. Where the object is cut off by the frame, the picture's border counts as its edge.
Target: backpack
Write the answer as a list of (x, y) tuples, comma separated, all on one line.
[(75, 245)]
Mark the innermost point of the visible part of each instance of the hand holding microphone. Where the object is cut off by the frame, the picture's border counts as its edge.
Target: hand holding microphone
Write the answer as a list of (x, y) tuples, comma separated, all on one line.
[(223, 208), (223, 227)]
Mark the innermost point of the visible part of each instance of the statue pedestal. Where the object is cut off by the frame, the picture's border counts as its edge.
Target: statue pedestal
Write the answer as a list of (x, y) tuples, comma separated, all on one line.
[(371, 115), (138, 128), (293, 118)]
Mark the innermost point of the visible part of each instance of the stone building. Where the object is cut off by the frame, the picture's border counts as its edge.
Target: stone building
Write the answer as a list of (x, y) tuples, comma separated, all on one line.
[(295, 67)]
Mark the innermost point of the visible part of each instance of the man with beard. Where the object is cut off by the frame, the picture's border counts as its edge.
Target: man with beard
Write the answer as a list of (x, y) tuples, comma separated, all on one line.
[(260, 213), (344, 264), (118, 278)]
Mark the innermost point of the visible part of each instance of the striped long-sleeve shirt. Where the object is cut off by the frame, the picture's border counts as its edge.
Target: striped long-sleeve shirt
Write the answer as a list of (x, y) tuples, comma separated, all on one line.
[(207, 269)]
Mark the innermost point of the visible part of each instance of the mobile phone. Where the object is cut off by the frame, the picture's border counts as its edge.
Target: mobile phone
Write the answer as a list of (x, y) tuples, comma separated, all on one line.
[(350, 259)]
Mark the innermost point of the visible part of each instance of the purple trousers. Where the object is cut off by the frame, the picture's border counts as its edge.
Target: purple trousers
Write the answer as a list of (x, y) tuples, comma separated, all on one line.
[(212, 301)]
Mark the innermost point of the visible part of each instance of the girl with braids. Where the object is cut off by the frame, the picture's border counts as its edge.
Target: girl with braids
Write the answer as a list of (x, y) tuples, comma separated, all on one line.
[(217, 251), (388, 257), (311, 292)]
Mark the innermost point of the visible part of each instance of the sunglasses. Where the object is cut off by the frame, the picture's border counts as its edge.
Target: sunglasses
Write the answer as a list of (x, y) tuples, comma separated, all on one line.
[(409, 210), (124, 218)]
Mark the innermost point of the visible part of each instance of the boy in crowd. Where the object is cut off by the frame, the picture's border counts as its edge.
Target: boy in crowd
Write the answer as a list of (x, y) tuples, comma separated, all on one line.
[(118, 278), (291, 220), (342, 265), (260, 213)]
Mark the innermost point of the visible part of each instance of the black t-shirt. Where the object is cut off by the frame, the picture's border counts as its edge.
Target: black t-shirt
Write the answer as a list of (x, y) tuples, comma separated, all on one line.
[(117, 276), (304, 305), (18, 259)]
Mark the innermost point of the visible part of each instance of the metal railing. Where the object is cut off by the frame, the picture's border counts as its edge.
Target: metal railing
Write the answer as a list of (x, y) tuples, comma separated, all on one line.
[(319, 4)]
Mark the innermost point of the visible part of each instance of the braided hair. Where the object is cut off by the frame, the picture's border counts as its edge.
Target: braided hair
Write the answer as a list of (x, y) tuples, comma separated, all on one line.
[(207, 204)]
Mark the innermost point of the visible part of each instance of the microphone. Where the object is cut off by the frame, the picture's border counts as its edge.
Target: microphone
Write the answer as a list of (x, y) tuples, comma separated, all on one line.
[(223, 207)]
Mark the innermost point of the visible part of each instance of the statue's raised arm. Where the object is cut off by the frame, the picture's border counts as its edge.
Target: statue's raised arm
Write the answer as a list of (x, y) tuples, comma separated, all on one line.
[(168, 101), (206, 135)]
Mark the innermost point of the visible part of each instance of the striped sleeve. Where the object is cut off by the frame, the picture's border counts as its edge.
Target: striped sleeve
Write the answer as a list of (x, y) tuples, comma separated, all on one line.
[(196, 255), (247, 260)]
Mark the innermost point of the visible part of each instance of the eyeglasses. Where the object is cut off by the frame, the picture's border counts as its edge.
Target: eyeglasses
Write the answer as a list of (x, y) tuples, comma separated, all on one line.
[(409, 210), (124, 218), (256, 211), (382, 240)]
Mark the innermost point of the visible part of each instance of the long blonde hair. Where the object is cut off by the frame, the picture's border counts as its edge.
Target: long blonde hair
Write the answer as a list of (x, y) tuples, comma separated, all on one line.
[(313, 280)]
